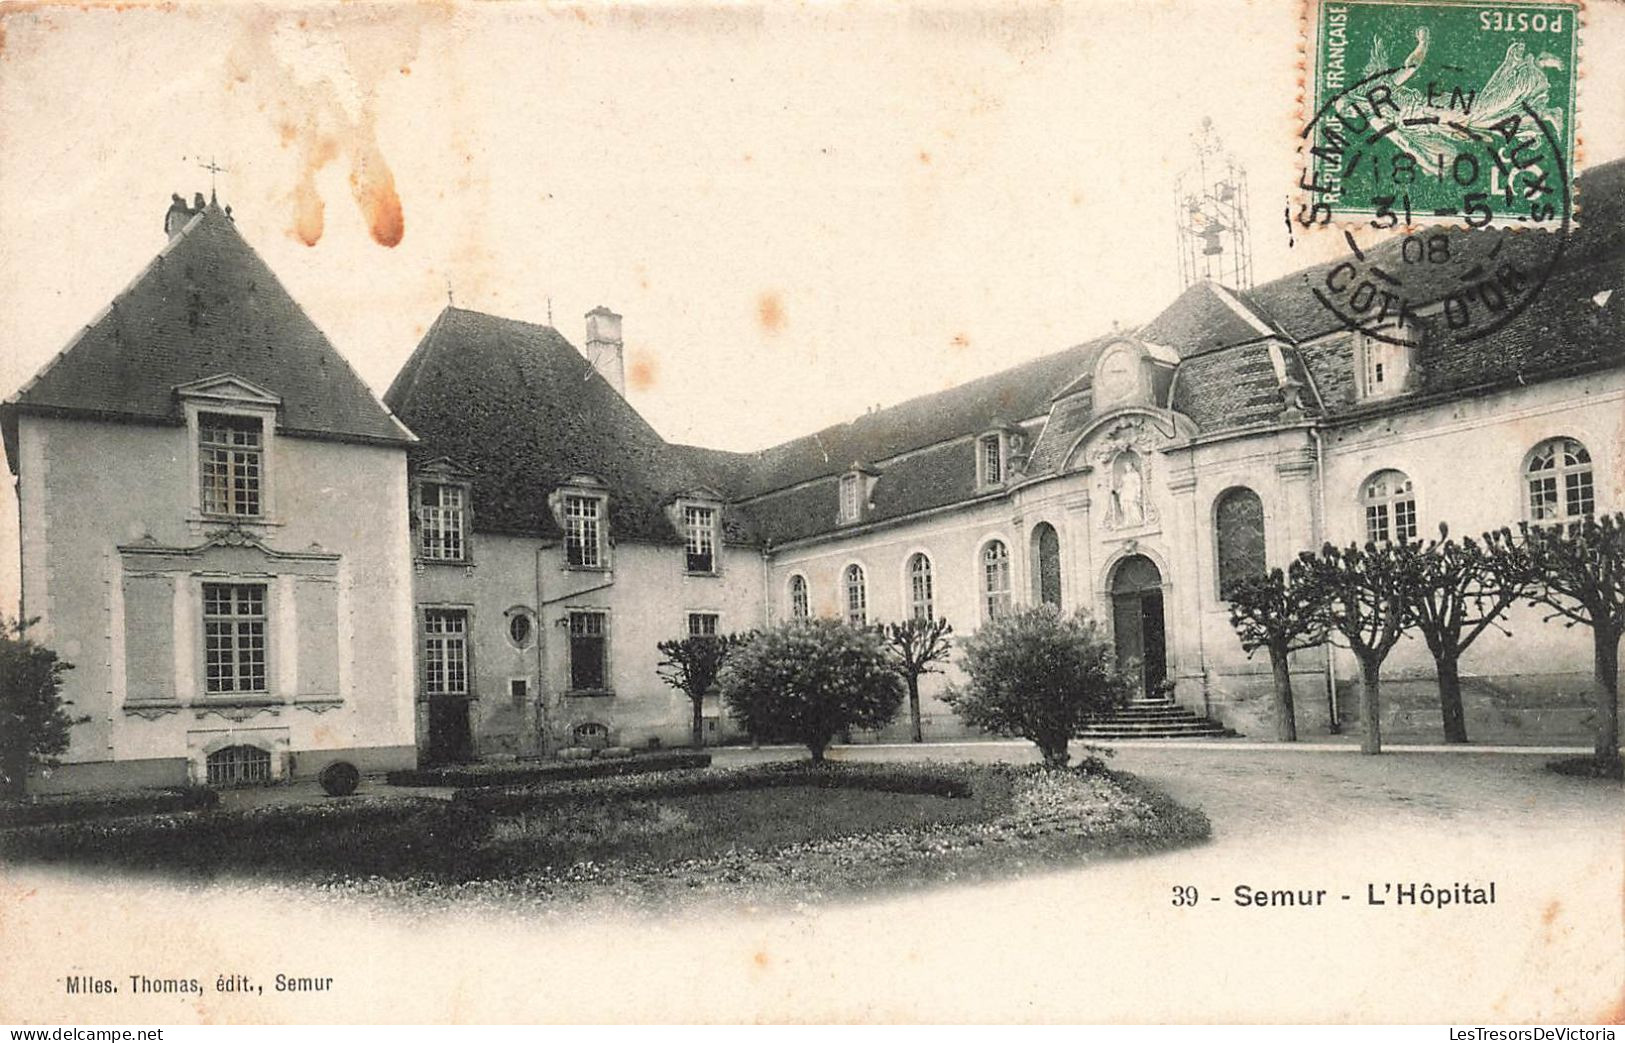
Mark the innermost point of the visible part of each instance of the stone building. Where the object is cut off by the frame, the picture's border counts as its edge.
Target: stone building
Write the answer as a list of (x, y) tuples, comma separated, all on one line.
[(1130, 476), (214, 530)]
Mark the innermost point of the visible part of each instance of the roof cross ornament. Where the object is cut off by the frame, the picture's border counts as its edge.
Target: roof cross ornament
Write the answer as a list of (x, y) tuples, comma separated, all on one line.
[(213, 168)]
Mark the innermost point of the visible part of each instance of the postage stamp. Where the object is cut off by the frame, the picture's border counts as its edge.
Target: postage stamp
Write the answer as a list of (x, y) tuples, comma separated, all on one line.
[(1423, 112)]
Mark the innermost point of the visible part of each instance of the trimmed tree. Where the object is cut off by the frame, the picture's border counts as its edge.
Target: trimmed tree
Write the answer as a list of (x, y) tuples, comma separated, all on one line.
[(691, 665), (1578, 571), (34, 723), (1456, 592), (806, 680), (1280, 615), (1362, 593), (918, 646), (1039, 675)]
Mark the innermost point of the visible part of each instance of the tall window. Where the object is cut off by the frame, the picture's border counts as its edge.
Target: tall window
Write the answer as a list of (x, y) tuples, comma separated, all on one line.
[(1047, 549), (440, 520), (445, 652), (700, 535), (234, 637), (995, 579), (857, 596), (702, 624), (1238, 518), (851, 497), (588, 663), (1559, 479), (991, 451), (1383, 366), (921, 600), (584, 531), (800, 602), (1390, 507), (231, 464)]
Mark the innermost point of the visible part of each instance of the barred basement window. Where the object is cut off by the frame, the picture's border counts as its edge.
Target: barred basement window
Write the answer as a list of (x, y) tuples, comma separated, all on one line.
[(238, 765), (445, 652), (922, 603), (800, 601), (440, 520), (583, 536), (230, 464), (1560, 482), (700, 536), (857, 596), (234, 637), (1390, 507), (591, 734)]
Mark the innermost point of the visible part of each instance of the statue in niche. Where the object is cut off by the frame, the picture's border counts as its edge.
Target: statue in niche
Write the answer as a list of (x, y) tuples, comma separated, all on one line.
[(1128, 490)]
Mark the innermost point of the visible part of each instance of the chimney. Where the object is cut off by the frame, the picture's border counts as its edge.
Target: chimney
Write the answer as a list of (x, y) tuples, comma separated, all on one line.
[(604, 348), (177, 216)]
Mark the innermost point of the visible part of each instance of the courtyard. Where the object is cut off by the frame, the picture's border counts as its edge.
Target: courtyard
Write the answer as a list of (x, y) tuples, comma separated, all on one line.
[(1100, 941)]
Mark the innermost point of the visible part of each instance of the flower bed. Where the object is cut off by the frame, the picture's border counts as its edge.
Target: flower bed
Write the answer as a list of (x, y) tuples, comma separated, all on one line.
[(477, 775), (79, 807)]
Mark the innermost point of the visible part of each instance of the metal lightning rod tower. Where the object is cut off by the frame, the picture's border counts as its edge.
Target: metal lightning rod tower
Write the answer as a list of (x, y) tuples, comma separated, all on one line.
[(1210, 202)]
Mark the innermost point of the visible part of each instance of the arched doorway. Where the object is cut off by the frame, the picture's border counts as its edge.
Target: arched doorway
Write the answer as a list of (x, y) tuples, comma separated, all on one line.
[(1137, 623), (1046, 565)]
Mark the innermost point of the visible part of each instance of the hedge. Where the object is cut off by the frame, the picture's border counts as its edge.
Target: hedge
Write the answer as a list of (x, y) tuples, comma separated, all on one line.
[(79, 808), (481, 775), (926, 780)]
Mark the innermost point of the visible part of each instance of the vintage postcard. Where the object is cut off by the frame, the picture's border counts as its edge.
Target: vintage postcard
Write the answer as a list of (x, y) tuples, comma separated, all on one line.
[(942, 512)]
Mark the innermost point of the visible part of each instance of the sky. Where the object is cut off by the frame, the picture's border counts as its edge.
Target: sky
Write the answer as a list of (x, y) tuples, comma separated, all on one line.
[(802, 210)]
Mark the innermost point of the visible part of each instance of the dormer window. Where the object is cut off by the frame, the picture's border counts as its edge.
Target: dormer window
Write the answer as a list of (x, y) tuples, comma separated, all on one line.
[(851, 497), (442, 521), (584, 531), (700, 538), (991, 459), (231, 464), (1383, 365)]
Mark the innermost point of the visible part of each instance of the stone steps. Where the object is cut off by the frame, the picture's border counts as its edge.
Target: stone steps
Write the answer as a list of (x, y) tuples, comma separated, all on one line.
[(1153, 719)]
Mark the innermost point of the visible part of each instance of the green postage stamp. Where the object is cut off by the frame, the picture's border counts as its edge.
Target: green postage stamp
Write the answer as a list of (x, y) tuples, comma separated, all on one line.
[(1426, 112)]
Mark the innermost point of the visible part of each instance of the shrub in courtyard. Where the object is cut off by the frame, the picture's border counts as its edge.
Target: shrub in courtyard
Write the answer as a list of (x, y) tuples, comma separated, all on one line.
[(1280, 613), (691, 665), (805, 681), (34, 721), (1040, 675)]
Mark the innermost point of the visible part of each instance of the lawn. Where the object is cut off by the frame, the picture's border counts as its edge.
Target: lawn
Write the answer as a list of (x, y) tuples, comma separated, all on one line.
[(781, 831)]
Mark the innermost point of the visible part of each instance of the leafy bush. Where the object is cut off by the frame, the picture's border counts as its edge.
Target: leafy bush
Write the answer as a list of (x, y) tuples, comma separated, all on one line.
[(691, 665), (1039, 675), (78, 808), (807, 680), (339, 779), (474, 775), (33, 722)]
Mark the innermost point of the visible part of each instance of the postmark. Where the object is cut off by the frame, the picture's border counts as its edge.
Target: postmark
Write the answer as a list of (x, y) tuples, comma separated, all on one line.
[(1448, 171), (1435, 111)]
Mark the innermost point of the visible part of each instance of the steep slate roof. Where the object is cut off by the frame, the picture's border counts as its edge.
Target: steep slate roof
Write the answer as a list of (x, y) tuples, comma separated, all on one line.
[(518, 406), (206, 305)]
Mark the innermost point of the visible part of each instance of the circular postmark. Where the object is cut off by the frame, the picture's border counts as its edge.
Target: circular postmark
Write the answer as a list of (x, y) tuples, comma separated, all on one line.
[(1447, 174)]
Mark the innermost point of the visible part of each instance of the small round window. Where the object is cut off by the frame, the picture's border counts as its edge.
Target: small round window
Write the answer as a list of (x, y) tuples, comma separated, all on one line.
[(519, 629)]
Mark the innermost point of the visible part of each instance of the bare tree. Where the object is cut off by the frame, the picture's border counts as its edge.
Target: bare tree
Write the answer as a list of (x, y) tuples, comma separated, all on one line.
[(691, 665), (918, 646), (1281, 615)]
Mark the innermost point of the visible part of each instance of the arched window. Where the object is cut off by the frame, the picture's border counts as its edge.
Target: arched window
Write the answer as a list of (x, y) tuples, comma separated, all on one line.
[(921, 600), (800, 604), (1390, 507), (591, 734), (238, 765), (1047, 562), (1559, 479), (857, 596), (1238, 521), (995, 579)]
